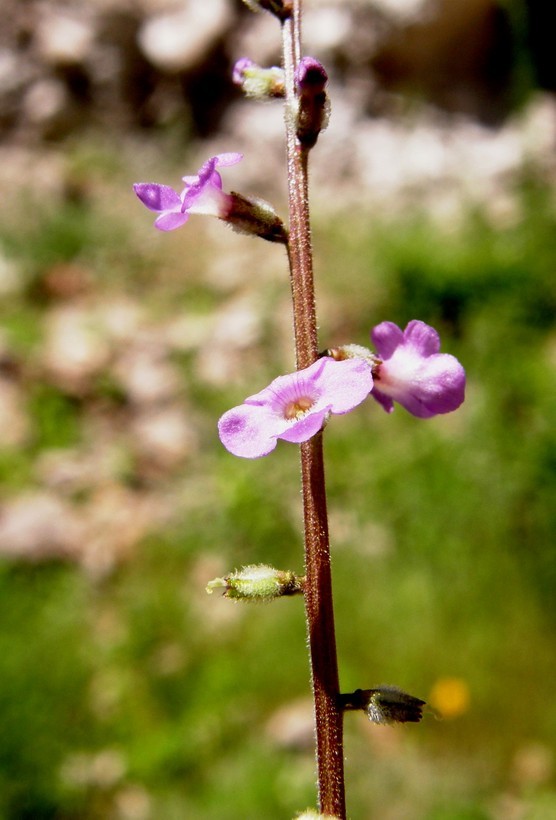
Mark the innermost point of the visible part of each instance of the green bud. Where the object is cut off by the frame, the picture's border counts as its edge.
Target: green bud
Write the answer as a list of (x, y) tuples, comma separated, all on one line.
[(386, 705), (258, 583), (311, 814)]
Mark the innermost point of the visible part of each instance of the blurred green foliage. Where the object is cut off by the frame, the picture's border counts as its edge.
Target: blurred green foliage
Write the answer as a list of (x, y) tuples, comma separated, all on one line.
[(135, 696)]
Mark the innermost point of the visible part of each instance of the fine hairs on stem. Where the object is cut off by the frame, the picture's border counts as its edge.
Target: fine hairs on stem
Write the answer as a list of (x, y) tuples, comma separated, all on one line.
[(406, 367), (319, 606)]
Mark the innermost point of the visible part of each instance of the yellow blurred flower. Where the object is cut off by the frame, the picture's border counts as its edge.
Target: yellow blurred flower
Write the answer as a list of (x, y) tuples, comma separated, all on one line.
[(450, 697)]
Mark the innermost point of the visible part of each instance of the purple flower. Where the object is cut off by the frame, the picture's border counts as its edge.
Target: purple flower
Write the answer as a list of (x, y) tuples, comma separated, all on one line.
[(202, 194), (257, 82), (239, 69), (295, 407), (412, 372)]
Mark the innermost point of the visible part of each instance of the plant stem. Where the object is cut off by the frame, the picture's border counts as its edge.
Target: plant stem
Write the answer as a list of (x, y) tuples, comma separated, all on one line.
[(318, 589)]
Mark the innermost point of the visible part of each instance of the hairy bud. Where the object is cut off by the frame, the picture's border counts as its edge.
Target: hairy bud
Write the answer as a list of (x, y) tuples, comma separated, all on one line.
[(257, 82), (313, 105), (258, 583), (386, 705)]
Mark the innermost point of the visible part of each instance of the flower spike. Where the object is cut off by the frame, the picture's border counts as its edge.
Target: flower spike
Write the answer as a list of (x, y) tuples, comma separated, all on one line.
[(295, 407)]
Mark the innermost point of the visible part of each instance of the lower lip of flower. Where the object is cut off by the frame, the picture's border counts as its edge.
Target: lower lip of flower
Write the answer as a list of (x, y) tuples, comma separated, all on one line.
[(298, 408)]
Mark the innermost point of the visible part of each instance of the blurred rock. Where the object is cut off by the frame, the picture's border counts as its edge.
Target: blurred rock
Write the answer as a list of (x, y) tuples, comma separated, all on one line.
[(102, 770), (145, 374), (45, 102), (71, 472), (114, 520), (66, 281), (533, 764), (292, 726), (11, 280), (15, 427), (163, 438), (64, 35), (177, 41), (38, 526), (75, 348)]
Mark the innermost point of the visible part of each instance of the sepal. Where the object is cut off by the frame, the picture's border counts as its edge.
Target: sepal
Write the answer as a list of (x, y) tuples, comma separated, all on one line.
[(254, 216), (344, 352)]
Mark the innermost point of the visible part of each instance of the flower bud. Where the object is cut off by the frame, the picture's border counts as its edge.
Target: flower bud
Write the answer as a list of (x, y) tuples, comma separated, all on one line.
[(282, 9), (258, 583), (255, 217), (313, 105), (256, 82), (386, 705)]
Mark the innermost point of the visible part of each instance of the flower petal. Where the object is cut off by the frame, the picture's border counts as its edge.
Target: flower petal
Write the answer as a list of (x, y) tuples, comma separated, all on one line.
[(157, 197), (230, 158), (305, 428), (386, 337), (422, 338), (293, 386), (170, 221), (385, 401), (347, 382), (245, 432), (438, 388)]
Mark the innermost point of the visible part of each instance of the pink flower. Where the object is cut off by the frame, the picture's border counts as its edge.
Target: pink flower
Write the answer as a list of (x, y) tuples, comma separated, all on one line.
[(202, 194), (411, 371), (295, 407)]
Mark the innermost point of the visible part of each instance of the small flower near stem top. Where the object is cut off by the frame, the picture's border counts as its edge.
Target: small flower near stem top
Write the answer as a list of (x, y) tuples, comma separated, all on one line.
[(203, 194), (257, 82), (408, 368), (295, 407)]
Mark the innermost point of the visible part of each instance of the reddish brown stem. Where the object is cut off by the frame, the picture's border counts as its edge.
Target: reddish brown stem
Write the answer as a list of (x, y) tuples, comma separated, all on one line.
[(318, 589)]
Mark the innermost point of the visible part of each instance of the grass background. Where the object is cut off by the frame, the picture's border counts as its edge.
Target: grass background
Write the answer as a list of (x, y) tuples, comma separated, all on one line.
[(130, 693)]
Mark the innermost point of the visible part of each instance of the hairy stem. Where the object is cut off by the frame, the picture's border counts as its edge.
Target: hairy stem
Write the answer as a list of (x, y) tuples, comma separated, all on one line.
[(318, 589)]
